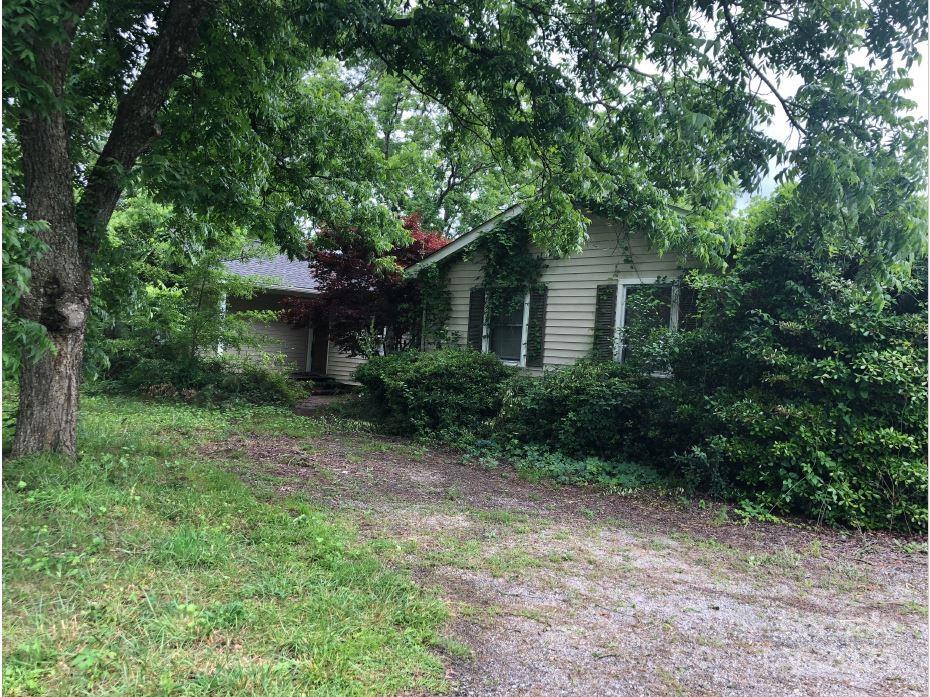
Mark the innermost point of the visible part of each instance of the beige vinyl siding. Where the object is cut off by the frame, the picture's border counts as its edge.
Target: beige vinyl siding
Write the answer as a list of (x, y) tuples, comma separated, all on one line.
[(572, 284), (462, 277), (277, 338), (340, 366)]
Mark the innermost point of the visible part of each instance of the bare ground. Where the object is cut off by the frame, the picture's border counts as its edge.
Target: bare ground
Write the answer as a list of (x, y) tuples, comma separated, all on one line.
[(569, 591)]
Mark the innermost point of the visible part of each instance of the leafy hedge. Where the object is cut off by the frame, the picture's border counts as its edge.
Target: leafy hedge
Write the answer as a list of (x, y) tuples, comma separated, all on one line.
[(213, 379), (777, 451), (811, 395), (449, 391), (802, 390), (602, 409)]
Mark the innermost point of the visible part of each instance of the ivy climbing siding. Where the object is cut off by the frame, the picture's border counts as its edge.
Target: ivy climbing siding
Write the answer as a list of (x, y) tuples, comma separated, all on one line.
[(571, 285)]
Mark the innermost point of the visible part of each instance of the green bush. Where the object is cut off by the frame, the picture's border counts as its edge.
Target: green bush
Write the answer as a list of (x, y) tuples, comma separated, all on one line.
[(451, 391), (810, 392), (801, 391), (601, 409), (215, 379)]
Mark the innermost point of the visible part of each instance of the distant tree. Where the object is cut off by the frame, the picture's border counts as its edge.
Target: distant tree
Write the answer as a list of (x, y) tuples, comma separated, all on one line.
[(362, 294)]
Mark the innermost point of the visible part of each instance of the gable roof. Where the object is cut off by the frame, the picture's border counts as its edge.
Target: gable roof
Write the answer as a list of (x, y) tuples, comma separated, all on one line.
[(277, 273), (463, 241)]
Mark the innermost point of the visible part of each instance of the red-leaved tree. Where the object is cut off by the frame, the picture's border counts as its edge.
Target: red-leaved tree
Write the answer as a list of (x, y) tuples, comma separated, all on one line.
[(362, 295)]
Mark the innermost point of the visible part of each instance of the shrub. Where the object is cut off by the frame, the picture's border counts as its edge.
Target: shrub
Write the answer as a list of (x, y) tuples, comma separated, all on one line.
[(810, 394), (452, 391), (805, 458), (601, 409), (214, 379)]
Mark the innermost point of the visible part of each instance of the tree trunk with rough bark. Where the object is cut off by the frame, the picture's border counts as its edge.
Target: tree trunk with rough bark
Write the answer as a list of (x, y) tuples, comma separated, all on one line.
[(59, 295), (60, 288)]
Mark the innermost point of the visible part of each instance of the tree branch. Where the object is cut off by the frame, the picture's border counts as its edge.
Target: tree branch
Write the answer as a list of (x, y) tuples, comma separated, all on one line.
[(135, 126), (396, 22), (748, 61)]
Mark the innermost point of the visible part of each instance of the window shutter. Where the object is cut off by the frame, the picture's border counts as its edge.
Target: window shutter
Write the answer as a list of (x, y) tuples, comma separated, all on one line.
[(687, 308), (475, 318), (536, 330), (605, 315)]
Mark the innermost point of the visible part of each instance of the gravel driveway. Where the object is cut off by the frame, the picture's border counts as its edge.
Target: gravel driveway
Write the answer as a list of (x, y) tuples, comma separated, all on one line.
[(569, 591)]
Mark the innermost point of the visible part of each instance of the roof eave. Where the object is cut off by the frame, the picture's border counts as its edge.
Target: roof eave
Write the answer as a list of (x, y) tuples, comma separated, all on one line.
[(287, 289), (462, 241)]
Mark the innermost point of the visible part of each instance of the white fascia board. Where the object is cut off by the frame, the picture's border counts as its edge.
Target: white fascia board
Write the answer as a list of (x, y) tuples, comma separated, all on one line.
[(286, 289), (463, 241)]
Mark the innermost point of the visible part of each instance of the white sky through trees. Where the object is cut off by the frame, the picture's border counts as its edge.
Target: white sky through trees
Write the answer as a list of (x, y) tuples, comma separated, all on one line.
[(781, 129)]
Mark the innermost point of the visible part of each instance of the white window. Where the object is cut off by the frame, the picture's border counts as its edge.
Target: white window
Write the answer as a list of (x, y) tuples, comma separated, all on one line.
[(644, 311), (505, 332)]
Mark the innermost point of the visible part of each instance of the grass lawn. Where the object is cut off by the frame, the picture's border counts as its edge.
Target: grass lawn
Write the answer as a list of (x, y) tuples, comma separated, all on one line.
[(145, 569)]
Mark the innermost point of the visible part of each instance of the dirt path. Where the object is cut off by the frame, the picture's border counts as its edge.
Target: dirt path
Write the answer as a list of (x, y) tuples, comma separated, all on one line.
[(565, 591)]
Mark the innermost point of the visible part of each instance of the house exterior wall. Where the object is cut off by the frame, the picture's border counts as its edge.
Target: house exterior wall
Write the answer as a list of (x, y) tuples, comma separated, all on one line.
[(281, 338), (572, 284), (340, 366), (278, 338)]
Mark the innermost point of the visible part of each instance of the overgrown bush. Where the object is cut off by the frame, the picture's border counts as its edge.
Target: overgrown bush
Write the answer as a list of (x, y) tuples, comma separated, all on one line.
[(452, 391), (601, 409), (213, 379), (803, 389), (809, 393)]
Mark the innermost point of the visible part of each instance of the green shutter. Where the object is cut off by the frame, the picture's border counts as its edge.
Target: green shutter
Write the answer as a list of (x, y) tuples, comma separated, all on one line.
[(475, 318), (605, 316), (536, 329)]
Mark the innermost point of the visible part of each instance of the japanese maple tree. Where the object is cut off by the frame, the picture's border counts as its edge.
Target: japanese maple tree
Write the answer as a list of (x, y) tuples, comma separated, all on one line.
[(363, 295)]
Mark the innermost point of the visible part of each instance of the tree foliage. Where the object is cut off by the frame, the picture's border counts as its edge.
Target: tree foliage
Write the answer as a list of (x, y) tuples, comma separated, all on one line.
[(220, 109), (161, 288)]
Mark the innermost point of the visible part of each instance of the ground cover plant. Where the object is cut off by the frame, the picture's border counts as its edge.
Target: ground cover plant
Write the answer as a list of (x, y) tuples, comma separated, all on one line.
[(145, 568)]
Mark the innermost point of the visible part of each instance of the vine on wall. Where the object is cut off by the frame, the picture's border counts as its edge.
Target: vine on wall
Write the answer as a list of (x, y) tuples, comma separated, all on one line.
[(510, 269), (436, 304)]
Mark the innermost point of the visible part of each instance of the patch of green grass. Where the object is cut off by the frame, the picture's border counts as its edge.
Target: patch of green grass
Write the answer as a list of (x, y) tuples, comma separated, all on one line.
[(503, 517), (453, 648), (143, 568), (455, 552), (783, 559), (912, 607), (510, 562)]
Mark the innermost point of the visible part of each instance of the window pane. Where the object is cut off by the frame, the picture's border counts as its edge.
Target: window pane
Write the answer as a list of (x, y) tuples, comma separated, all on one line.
[(505, 342), (506, 329), (647, 315), (648, 307)]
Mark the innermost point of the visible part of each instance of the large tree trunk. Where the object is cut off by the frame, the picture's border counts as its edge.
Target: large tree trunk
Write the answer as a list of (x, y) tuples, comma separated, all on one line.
[(59, 292), (59, 295)]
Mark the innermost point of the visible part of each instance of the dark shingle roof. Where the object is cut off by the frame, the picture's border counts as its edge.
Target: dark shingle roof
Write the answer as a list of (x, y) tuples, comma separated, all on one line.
[(277, 272)]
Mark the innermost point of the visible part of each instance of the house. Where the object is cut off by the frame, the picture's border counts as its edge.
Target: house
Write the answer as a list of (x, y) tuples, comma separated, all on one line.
[(577, 309), (305, 349)]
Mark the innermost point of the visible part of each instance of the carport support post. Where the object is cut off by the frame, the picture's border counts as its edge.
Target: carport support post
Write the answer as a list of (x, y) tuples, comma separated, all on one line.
[(219, 346)]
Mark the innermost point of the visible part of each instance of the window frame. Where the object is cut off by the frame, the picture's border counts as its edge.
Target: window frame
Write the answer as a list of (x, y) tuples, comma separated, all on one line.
[(524, 334), (620, 316)]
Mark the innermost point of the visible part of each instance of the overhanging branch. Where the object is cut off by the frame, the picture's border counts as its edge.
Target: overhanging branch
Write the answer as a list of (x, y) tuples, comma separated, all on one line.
[(135, 126)]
